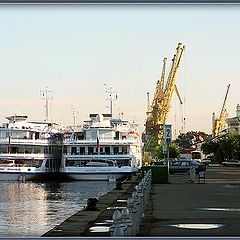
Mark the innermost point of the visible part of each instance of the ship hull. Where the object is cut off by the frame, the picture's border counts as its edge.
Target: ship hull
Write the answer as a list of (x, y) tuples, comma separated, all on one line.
[(21, 176), (95, 174)]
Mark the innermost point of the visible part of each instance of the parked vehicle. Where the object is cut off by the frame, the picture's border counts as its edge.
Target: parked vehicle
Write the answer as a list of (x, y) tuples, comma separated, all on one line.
[(206, 161), (183, 166), (231, 163)]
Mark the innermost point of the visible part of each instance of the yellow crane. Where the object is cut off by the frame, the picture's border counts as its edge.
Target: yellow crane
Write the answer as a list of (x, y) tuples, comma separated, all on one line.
[(218, 122), (157, 113)]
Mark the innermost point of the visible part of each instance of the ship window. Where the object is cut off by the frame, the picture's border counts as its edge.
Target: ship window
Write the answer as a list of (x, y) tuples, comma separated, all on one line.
[(116, 150), (3, 149), (50, 149), (45, 150), (82, 150), (107, 150), (47, 163), (122, 163), (69, 163), (37, 163), (73, 150), (14, 150), (90, 150), (117, 135), (37, 135), (28, 150), (20, 149), (37, 150), (125, 150), (65, 149)]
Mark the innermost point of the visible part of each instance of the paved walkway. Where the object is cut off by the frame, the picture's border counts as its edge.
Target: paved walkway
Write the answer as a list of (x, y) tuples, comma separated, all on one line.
[(181, 209)]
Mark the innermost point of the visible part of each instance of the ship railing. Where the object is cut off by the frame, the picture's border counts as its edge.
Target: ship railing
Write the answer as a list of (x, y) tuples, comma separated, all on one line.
[(119, 154), (24, 156), (19, 167), (127, 222), (29, 141), (102, 141), (108, 157)]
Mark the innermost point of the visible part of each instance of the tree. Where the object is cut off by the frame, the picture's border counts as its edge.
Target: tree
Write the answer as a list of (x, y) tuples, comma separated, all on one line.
[(174, 151), (226, 147)]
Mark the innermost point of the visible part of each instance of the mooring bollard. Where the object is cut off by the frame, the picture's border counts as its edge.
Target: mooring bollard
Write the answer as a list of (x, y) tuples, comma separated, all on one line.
[(119, 185), (133, 211), (141, 196), (136, 202), (117, 228), (126, 222), (91, 204)]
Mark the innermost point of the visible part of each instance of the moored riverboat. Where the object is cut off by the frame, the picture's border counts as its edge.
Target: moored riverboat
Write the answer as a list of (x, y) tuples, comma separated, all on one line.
[(105, 149), (29, 150)]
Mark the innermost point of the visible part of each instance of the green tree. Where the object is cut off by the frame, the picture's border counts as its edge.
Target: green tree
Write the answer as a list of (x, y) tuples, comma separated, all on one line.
[(174, 151), (226, 147)]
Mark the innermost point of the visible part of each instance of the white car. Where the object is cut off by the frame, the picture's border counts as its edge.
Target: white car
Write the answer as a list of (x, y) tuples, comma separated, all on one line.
[(231, 163)]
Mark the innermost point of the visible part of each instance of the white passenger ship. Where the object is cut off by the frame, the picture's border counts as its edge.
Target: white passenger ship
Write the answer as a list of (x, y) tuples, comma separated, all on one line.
[(29, 150), (105, 149)]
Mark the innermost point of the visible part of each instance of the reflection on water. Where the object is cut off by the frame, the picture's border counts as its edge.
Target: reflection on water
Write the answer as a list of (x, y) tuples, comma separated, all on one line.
[(198, 226), (221, 209), (99, 229), (31, 209)]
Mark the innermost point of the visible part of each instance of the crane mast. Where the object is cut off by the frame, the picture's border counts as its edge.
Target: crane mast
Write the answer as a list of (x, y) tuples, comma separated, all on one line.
[(161, 103), (218, 122)]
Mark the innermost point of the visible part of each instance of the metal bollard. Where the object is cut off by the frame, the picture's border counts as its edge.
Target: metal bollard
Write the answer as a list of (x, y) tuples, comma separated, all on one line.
[(91, 204), (136, 202), (133, 211), (117, 227), (126, 222), (140, 195)]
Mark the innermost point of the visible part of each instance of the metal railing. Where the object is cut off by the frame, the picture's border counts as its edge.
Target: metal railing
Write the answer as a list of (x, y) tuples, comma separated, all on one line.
[(127, 222)]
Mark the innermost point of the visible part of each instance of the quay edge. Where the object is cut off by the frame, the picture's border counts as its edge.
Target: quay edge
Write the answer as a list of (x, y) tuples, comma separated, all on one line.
[(79, 223)]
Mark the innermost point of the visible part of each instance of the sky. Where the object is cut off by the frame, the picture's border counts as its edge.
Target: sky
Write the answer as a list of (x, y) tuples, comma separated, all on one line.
[(80, 51)]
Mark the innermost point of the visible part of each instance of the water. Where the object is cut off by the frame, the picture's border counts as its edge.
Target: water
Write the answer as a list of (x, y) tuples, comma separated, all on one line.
[(30, 209), (198, 226)]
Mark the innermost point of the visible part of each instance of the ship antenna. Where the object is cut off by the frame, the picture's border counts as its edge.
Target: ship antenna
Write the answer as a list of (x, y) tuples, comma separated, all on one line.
[(75, 113), (45, 96), (112, 96)]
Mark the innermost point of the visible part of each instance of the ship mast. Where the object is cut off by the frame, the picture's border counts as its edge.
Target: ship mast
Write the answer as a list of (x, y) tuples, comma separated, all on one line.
[(111, 97), (45, 95)]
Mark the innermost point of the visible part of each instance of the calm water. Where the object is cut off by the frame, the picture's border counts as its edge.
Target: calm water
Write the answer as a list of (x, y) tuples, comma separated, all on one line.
[(31, 209)]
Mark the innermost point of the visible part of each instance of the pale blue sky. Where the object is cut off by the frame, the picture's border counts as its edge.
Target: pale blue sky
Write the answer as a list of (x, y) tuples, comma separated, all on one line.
[(75, 49)]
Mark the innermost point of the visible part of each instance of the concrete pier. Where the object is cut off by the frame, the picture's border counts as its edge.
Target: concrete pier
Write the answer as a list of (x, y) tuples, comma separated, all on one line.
[(96, 223), (176, 209)]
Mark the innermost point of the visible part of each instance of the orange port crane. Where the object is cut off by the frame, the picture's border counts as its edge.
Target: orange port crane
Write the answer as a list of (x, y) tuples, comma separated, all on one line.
[(158, 111), (218, 122)]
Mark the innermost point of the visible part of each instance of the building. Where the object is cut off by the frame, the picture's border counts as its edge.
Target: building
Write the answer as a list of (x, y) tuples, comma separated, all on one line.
[(234, 122)]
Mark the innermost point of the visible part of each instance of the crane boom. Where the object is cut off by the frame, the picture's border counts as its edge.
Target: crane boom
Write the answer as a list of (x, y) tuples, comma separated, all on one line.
[(218, 122), (170, 89), (157, 116), (178, 94)]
